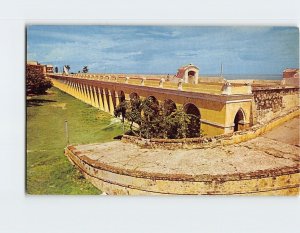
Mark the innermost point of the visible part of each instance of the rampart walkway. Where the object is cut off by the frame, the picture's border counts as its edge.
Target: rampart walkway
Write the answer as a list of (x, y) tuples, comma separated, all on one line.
[(267, 165)]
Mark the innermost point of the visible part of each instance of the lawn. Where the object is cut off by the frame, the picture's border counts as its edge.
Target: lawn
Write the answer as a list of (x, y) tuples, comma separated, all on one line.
[(48, 170)]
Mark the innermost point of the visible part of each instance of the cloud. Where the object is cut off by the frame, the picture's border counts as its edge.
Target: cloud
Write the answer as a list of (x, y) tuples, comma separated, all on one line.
[(163, 49)]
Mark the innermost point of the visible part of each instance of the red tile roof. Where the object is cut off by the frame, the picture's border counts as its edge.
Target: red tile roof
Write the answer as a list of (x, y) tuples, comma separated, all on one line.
[(181, 70)]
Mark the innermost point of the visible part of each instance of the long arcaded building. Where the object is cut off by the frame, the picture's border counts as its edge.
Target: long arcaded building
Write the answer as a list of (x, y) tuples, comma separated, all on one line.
[(223, 106)]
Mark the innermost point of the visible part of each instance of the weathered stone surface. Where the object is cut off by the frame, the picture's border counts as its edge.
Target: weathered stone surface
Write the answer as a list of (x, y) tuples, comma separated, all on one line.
[(261, 166), (270, 102), (208, 142)]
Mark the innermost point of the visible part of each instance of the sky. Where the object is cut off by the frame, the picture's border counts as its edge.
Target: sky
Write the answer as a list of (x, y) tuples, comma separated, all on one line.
[(163, 49)]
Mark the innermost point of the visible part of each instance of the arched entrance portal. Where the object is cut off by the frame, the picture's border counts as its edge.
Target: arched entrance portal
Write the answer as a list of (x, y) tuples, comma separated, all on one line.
[(191, 76), (194, 125), (191, 73), (239, 120)]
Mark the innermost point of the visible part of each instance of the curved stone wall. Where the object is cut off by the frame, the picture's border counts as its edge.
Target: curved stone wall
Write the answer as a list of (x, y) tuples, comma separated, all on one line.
[(225, 139), (119, 181)]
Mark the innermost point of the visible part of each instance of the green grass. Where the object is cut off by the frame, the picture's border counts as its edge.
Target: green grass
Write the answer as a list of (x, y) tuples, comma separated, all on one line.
[(48, 170)]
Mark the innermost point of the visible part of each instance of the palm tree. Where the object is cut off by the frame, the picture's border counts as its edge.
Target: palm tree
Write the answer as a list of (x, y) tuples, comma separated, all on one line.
[(85, 69)]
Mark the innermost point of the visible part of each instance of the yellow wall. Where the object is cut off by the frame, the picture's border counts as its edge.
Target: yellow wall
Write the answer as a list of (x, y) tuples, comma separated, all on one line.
[(215, 115), (209, 130), (233, 108)]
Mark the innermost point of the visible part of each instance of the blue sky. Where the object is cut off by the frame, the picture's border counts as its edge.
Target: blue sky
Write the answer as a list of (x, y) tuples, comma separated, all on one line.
[(163, 49)]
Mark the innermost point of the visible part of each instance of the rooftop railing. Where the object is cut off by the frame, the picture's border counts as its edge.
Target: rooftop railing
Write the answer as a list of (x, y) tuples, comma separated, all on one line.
[(217, 88)]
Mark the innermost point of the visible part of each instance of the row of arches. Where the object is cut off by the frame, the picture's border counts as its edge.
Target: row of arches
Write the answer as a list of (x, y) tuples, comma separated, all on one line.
[(107, 100), (195, 125), (169, 106)]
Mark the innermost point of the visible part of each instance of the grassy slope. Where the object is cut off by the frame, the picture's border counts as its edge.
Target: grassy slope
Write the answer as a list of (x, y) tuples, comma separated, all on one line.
[(48, 170)]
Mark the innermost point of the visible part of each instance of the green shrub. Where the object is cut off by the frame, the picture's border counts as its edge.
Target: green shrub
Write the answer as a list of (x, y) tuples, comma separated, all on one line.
[(36, 82), (153, 121)]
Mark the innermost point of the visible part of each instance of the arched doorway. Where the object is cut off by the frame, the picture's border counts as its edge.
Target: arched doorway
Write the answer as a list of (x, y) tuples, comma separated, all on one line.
[(191, 76), (191, 73), (194, 125), (239, 120)]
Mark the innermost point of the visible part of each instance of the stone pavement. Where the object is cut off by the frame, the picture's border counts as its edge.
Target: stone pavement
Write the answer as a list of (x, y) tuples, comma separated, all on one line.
[(276, 150)]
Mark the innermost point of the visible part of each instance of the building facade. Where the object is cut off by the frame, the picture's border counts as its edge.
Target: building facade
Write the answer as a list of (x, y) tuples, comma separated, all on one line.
[(189, 73)]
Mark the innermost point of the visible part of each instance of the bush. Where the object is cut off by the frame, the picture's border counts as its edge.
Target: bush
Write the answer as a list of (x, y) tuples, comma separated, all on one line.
[(155, 122), (36, 82)]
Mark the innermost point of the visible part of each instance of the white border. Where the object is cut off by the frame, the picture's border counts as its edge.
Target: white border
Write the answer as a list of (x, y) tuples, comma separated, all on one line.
[(21, 213)]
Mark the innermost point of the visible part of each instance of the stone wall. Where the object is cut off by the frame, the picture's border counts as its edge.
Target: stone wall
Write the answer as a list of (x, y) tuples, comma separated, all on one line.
[(209, 142), (118, 181), (271, 102), (294, 81)]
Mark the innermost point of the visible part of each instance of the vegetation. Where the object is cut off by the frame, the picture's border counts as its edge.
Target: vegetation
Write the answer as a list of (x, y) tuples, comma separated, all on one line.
[(68, 67), (155, 120), (48, 170), (36, 82), (85, 69)]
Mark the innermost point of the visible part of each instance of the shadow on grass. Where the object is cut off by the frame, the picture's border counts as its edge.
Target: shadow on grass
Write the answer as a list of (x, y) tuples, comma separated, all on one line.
[(37, 102), (119, 137)]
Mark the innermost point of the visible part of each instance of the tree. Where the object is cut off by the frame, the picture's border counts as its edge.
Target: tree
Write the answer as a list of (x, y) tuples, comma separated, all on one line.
[(56, 69), (68, 67), (178, 124), (85, 69), (156, 122), (133, 112), (36, 82), (120, 110)]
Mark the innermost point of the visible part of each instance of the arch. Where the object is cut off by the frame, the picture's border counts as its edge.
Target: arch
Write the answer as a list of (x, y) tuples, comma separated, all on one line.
[(169, 106), (105, 92), (153, 102), (134, 96), (194, 125), (121, 96), (134, 100), (191, 73), (152, 98), (151, 107), (190, 108), (239, 120), (113, 98)]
